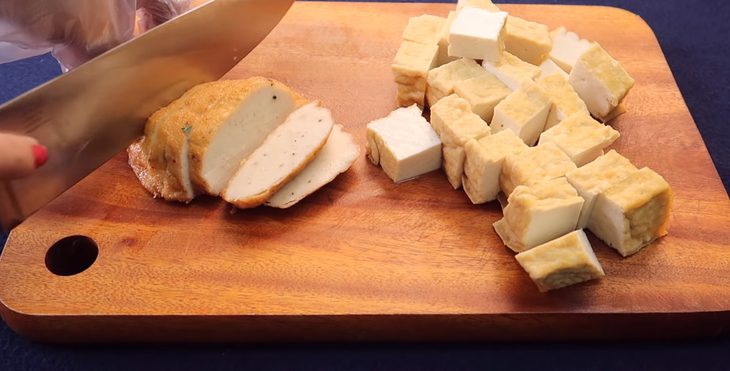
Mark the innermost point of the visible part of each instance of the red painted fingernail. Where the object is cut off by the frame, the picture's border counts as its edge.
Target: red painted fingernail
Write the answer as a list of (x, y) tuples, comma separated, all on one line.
[(40, 155)]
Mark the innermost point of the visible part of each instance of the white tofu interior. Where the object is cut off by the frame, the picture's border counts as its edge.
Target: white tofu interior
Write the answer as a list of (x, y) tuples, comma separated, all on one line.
[(548, 67), (539, 213), (525, 112), (597, 176), (567, 48), (443, 45), (511, 70), (477, 34), (404, 144), (600, 81)]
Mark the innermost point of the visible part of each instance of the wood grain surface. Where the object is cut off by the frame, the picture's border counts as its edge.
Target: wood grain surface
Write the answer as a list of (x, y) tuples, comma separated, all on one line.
[(363, 258)]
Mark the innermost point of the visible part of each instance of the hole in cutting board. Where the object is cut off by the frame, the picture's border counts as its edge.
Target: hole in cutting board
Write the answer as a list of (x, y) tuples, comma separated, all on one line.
[(71, 255)]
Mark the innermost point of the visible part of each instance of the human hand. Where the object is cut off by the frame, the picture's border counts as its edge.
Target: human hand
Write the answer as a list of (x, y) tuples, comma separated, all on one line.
[(20, 155)]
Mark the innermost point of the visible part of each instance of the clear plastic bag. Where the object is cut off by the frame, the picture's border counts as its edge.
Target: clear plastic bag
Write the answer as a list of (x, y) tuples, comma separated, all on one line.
[(76, 30)]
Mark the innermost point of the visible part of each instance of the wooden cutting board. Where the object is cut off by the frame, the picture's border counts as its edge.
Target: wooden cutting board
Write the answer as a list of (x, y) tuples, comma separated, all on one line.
[(363, 258)]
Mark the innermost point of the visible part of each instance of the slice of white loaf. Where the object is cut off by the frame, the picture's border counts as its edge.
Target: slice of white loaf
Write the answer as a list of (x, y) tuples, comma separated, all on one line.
[(139, 161), (224, 133), (196, 143), (335, 158), (284, 153)]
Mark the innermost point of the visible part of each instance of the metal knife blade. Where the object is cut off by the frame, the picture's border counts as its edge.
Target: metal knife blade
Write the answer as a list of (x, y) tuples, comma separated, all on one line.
[(88, 115)]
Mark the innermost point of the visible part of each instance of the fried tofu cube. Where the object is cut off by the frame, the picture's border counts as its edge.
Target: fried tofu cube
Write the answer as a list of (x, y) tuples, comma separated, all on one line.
[(562, 262), (548, 67), (443, 53), (461, 130), (581, 137), (482, 4), (424, 29), (597, 176), (403, 144), (441, 80), (483, 164), (533, 165), (567, 48), (477, 34), (409, 95), (633, 212), (600, 81), (512, 71), (565, 100), (448, 109), (483, 94), (413, 61), (524, 111), (538, 213), (529, 41), (454, 136), (453, 160), (410, 68)]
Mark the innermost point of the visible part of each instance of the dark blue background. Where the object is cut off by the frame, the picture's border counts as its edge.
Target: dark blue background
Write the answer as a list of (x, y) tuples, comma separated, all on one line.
[(695, 37)]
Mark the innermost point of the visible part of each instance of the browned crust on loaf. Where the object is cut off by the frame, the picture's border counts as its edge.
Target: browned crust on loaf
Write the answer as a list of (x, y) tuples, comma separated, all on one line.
[(160, 145), (260, 198), (138, 161), (153, 182), (158, 120), (173, 187)]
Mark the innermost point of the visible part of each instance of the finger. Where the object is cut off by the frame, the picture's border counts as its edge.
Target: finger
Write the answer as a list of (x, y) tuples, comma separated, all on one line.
[(20, 155)]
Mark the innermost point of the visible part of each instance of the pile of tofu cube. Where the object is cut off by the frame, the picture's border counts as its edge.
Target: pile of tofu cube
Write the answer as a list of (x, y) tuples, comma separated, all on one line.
[(518, 112)]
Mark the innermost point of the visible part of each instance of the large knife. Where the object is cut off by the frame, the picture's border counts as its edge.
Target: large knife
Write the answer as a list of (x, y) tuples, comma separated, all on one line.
[(88, 115)]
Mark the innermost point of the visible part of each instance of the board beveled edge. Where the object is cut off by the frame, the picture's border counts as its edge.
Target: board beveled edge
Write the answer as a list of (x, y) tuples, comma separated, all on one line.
[(369, 328)]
